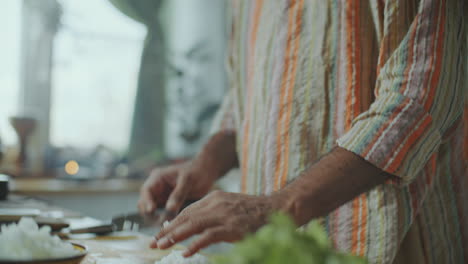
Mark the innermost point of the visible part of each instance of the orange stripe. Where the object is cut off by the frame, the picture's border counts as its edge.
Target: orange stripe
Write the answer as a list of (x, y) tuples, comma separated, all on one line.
[(383, 127), (431, 169), (381, 60), (290, 94), (430, 64), (385, 40), (252, 42), (357, 60), (279, 153), (253, 34), (435, 78), (413, 137), (356, 93), (353, 58), (432, 84), (396, 145), (355, 226), (363, 238), (349, 70)]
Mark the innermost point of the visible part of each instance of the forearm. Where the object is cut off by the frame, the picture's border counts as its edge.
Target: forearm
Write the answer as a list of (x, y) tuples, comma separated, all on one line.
[(219, 152), (334, 180)]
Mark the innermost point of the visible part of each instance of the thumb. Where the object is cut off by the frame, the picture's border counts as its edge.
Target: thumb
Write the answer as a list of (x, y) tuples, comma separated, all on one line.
[(179, 194)]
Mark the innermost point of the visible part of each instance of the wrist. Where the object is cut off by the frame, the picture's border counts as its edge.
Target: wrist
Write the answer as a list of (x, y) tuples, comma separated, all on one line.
[(286, 202), (218, 155)]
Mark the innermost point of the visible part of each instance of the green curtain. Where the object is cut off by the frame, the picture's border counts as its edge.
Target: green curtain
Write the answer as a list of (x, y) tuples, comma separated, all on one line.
[(147, 135)]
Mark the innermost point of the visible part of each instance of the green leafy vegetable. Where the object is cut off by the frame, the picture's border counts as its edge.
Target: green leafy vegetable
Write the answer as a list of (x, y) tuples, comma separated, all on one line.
[(280, 242)]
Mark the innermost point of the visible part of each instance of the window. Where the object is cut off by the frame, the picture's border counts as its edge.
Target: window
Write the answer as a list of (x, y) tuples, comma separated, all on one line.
[(73, 65), (96, 57), (97, 53), (9, 66)]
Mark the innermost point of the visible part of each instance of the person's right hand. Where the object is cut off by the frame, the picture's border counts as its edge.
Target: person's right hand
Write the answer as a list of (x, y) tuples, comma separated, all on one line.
[(172, 186)]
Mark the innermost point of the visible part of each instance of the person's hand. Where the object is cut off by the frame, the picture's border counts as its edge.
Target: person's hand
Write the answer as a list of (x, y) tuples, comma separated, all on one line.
[(218, 217), (173, 185)]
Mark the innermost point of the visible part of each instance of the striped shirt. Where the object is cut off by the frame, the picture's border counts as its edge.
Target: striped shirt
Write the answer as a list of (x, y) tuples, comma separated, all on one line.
[(385, 79)]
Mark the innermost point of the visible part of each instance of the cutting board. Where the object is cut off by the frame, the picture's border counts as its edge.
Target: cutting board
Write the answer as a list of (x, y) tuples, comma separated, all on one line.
[(122, 251)]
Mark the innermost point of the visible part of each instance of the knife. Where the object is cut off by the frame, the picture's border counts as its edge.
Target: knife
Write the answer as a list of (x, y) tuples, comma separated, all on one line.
[(134, 220)]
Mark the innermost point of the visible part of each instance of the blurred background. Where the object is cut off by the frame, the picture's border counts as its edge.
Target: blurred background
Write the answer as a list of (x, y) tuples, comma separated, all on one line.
[(117, 86), (106, 89)]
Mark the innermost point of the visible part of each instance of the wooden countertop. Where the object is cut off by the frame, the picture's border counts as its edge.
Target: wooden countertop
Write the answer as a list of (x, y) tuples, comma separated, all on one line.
[(50, 186)]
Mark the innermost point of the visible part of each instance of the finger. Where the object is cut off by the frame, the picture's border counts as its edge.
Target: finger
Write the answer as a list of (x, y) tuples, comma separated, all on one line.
[(153, 244), (193, 226), (210, 236), (179, 220), (141, 207), (146, 204), (153, 185), (178, 195)]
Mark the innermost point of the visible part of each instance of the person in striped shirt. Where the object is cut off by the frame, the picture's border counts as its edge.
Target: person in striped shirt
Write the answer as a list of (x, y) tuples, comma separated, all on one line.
[(351, 111)]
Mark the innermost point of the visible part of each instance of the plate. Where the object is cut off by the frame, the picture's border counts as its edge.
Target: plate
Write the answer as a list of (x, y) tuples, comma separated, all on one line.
[(67, 260)]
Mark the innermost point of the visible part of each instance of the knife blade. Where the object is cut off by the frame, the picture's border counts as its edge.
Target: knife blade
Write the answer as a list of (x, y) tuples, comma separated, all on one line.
[(134, 221), (156, 219)]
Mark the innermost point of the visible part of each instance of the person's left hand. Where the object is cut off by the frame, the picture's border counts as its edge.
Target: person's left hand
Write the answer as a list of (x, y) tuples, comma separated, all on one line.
[(219, 217)]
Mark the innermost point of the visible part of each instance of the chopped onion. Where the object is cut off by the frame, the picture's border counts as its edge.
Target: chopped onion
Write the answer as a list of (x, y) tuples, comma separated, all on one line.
[(26, 241)]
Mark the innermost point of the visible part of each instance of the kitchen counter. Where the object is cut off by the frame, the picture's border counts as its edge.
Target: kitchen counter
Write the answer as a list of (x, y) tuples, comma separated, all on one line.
[(132, 247), (51, 186), (98, 198)]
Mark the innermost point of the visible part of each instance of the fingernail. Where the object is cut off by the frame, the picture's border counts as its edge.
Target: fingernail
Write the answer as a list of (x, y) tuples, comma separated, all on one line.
[(163, 243), (186, 254), (170, 205), (153, 243)]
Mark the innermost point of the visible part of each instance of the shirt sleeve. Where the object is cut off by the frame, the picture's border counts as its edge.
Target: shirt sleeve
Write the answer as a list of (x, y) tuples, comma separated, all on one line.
[(419, 92)]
